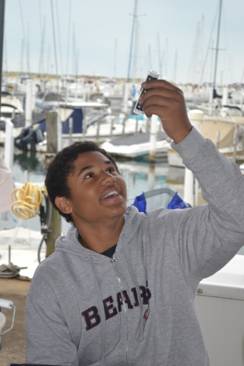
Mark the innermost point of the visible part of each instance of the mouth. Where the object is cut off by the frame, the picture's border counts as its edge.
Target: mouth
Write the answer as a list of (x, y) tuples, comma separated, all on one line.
[(112, 197)]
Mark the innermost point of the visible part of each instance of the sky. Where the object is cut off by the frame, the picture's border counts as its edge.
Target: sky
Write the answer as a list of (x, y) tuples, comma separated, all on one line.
[(92, 37)]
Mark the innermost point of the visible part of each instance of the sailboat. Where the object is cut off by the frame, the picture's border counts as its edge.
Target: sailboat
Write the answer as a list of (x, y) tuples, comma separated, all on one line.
[(227, 133), (221, 125)]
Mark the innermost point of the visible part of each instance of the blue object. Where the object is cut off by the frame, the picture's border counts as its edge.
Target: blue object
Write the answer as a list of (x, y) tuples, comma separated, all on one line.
[(77, 122), (177, 202), (140, 203)]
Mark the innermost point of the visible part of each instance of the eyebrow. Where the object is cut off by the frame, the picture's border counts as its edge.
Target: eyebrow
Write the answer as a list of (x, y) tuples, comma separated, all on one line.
[(87, 167)]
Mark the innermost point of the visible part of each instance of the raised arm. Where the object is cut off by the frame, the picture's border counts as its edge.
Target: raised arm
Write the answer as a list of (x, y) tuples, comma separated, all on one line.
[(206, 237)]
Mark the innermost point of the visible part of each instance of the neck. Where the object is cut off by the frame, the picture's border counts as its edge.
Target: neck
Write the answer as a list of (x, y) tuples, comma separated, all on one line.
[(99, 237)]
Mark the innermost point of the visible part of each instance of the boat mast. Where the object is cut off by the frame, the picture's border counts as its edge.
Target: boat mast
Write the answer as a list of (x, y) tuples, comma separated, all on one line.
[(54, 41), (159, 55), (41, 57), (217, 48), (132, 39), (2, 9), (115, 58)]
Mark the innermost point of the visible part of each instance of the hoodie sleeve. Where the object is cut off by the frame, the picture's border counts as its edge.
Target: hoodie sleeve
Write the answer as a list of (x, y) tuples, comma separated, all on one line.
[(48, 338), (209, 236)]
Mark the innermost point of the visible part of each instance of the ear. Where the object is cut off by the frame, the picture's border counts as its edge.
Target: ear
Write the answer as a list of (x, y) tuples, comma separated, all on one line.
[(63, 204)]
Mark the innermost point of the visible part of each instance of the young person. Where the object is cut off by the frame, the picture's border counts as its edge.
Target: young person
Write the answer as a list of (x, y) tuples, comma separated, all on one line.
[(120, 286)]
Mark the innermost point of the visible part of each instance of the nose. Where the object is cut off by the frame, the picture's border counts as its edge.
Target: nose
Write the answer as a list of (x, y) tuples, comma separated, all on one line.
[(106, 177)]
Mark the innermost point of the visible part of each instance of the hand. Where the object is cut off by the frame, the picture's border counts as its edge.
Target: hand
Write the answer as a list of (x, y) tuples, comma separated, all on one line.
[(167, 102)]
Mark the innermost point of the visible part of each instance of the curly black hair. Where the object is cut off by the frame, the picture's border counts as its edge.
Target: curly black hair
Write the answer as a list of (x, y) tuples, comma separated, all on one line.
[(62, 165)]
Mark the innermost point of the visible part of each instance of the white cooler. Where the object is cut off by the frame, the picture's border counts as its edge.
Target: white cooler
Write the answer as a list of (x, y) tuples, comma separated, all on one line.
[(220, 310)]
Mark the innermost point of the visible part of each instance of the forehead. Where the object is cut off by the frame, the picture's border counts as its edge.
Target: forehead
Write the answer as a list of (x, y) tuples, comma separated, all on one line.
[(91, 158)]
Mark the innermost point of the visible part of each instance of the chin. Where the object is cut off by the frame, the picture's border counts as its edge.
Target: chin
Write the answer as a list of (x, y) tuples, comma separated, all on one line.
[(120, 211)]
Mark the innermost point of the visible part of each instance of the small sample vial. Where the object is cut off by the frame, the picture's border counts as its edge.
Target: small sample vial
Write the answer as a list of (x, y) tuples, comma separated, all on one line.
[(152, 75)]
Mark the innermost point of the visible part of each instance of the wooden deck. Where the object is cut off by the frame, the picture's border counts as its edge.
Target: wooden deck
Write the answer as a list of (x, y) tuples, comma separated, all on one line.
[(13, 343)]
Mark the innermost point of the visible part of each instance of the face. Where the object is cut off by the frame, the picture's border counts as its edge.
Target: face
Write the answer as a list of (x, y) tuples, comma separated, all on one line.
[(97, 190)]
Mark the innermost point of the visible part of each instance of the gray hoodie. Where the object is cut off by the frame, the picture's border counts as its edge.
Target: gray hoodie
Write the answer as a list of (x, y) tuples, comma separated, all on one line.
[(137, 308)]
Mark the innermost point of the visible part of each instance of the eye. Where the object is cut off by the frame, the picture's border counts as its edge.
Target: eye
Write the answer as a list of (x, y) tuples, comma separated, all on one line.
[(88, 175), (112, 170)]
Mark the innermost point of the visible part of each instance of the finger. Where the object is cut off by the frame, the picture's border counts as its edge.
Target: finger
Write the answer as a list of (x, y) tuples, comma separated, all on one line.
[(159, 92), (160, 84), (161, 98), (157, 101), (153, 109)]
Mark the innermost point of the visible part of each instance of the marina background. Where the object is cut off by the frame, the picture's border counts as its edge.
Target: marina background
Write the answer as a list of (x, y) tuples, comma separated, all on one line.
[(72, 70), (177, 38)]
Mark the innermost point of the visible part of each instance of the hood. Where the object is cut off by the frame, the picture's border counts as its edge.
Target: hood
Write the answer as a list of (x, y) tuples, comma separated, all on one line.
[(70, 243)]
